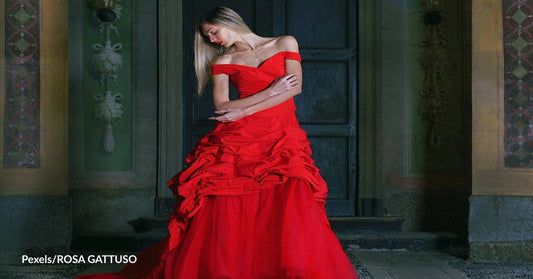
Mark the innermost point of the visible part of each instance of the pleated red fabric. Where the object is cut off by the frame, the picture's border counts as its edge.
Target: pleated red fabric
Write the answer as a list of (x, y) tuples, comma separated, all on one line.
[(250, 204)]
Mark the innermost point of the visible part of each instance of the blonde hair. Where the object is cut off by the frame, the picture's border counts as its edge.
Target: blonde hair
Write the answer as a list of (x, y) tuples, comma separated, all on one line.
[(205, 51)]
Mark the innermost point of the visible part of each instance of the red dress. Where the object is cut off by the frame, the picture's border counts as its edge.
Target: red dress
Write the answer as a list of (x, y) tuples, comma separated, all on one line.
[(250, 204)]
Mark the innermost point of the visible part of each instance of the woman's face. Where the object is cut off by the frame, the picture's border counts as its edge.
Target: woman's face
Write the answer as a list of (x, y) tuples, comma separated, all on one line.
[(218, 34)]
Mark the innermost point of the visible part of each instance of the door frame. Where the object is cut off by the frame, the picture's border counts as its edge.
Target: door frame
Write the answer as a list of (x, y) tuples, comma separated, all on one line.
[(171, 109), (369, 188)]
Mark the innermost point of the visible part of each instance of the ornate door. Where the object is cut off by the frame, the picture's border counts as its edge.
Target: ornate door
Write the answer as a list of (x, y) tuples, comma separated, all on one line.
[(326, 32)]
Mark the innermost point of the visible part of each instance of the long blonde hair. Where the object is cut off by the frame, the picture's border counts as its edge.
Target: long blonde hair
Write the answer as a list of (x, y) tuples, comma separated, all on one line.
[(205, 51)]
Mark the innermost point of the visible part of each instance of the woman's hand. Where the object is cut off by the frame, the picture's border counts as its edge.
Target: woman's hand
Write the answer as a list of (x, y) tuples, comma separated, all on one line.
[(283, 84), (230, 114)]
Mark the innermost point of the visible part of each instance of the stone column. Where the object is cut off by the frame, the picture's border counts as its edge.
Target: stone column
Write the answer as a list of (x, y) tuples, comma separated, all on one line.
[(500, 224)]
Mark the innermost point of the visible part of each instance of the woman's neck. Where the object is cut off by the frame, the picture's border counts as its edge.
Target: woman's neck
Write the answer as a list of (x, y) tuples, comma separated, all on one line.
[(249, 41)]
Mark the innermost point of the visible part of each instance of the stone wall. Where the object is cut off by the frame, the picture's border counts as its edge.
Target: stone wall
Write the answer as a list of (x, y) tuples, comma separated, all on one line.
[(501, 228), (34, 226)]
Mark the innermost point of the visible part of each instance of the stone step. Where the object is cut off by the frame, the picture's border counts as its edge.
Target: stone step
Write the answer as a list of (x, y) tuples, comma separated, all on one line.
[(366, 224), (355, 232), (412, 241), (116, 241), (149, 230), (145, 224), (338, 224)]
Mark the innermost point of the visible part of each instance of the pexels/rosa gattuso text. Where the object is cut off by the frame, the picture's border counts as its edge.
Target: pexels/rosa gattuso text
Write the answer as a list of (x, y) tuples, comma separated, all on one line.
[(79, 259)]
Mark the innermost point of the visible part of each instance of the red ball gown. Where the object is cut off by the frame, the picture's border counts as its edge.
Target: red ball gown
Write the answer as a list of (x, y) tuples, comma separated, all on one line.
[(250, 204)]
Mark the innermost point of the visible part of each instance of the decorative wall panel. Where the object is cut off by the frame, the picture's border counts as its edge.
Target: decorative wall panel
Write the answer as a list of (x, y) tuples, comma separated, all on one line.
[(133, 161), (440, 93), (518, 86), (22, 96), (33, 95), (112, 95)]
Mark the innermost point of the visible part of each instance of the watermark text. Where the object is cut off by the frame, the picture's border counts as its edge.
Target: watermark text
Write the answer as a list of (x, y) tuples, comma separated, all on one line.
[(79, 259)]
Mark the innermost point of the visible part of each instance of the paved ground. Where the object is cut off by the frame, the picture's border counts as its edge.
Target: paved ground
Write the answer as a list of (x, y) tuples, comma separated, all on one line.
[(377, 264), (401, 264), (389, 264)]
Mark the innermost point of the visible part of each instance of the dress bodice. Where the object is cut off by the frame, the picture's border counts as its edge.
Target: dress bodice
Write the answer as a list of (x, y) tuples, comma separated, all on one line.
[(249, 80)]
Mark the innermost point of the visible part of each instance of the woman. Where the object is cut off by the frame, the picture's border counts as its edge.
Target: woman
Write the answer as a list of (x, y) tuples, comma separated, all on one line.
[(250, 204)]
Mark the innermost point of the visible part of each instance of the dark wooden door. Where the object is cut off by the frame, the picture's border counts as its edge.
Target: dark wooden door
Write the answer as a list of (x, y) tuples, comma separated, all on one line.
[(326, 32)]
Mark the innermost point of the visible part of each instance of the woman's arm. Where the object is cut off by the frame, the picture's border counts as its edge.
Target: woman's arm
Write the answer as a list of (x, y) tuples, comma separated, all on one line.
[(293, 68), (221, 92), (291, 83)]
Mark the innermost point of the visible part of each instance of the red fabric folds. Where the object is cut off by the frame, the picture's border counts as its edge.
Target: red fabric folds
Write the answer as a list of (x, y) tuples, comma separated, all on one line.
[(235, 159)]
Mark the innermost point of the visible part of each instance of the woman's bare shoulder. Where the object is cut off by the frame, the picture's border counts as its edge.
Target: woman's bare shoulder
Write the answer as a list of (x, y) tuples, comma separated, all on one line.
[(223, 59), (287, 43)]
